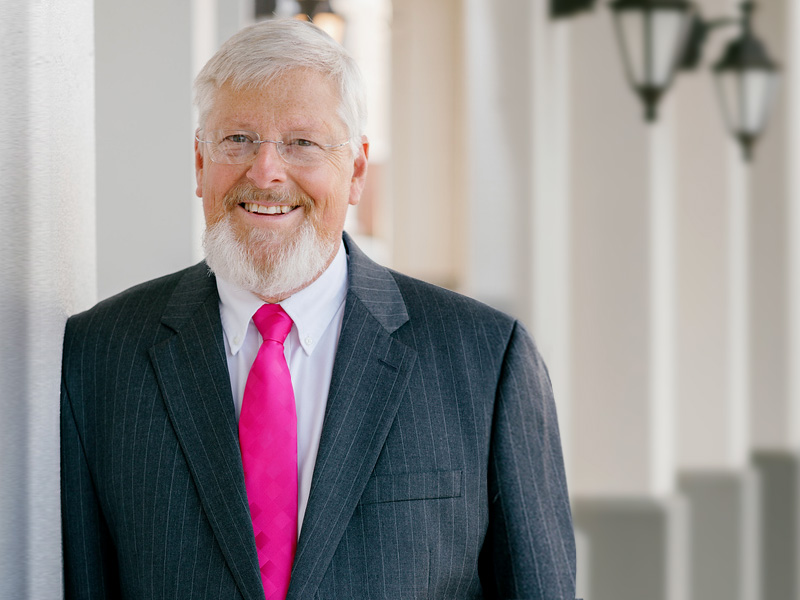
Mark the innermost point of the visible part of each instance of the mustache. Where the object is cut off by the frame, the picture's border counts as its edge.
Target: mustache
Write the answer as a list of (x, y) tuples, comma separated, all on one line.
[(247, 192)]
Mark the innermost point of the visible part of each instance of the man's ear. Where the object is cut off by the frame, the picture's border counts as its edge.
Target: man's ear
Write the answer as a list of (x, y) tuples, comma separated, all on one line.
[(198, 168), (359, 171)]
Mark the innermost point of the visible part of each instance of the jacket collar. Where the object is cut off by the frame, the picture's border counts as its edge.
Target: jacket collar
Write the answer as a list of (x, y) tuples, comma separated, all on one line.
[(376, 288)]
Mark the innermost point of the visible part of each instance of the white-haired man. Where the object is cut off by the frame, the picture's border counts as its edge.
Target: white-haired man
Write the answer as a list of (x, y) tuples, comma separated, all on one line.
[(289, 419)]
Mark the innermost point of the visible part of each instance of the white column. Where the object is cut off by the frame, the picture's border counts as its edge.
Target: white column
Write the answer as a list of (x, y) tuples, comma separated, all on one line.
[(145, 168), (622, 328), (549, 228), (368, 38), (776, 249), (47, 227), (427, 172), (775, 309), (712, 267), (787, 21), (499, 56), (231, 16), (712, 333), (623, 292)]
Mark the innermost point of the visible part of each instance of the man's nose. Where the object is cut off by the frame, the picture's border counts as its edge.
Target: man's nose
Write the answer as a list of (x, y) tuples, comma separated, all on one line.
[(267, 167)]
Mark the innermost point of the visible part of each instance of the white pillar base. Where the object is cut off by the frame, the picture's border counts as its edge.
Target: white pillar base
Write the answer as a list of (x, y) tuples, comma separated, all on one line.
[(779, 473), (583, 554), (639, 547), (724, 507)]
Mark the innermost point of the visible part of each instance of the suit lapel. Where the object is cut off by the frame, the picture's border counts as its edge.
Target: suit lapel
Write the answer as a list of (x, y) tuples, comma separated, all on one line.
[(193, 377), (370, 375)]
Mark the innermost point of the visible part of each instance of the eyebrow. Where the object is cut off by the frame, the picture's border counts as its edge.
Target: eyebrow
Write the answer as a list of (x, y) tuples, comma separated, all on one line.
[(307, 125)]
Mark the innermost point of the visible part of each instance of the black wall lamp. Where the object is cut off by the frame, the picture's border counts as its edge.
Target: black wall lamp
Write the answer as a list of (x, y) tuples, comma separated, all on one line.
[(323, 16), (747, 80), (318, 12), (651, 36), (567, 8), (658, 37)]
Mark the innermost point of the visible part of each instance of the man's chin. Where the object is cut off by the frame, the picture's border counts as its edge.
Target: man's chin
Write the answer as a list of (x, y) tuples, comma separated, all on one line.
[(268, 263)]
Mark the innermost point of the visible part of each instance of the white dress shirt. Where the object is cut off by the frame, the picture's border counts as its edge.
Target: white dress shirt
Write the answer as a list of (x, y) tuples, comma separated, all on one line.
[(310, 348)]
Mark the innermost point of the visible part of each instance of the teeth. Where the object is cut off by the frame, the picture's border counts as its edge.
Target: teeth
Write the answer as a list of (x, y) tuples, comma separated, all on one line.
[(267, 210)]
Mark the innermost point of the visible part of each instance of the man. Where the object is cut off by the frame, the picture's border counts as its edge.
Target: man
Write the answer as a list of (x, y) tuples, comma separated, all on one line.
[(386, 439)]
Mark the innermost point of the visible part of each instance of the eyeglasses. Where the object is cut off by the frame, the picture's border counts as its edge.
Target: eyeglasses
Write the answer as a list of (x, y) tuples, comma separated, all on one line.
[(238, 147)]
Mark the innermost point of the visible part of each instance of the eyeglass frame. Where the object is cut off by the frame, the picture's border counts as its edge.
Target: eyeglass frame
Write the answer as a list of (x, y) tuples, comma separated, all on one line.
[(258, 141)]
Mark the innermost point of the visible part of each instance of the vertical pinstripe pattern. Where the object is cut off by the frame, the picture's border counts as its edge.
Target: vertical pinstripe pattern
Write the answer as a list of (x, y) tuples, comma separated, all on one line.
[(439, 472), (150, 451)]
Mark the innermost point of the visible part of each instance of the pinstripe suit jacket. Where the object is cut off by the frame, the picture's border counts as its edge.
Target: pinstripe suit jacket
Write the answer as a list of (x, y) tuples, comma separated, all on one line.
[(439, 473)]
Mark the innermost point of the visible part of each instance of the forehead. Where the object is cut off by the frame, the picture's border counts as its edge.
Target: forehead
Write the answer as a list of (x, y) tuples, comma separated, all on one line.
[(299, 99)]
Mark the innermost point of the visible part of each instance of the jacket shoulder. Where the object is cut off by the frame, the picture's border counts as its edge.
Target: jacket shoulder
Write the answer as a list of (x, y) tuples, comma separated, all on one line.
[(422, 296), (446, 313), (135, 307)]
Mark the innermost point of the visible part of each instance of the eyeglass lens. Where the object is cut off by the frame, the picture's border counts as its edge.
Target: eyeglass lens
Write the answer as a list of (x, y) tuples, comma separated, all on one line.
[(237, 147)]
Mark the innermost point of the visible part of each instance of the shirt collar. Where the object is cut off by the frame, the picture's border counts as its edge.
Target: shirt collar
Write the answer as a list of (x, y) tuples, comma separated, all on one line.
[(311, 309)]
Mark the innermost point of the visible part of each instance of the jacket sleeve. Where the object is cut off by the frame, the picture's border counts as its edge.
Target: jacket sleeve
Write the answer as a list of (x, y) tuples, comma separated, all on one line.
[(529, 550), (90, 565)]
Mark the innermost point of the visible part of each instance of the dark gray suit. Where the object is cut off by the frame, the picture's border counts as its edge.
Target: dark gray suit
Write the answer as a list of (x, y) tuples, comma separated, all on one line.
[(439, 472)]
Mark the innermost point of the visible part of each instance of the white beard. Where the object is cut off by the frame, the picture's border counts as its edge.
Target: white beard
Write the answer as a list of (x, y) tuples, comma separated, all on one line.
[(261, 264)]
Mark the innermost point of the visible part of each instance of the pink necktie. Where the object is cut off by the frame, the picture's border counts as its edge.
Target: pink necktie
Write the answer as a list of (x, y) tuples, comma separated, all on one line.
[(268, 439)]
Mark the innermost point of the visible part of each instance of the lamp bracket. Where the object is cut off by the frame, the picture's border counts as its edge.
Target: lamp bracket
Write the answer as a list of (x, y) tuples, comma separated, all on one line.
[(560, 9), (701, 28), (308, 7)]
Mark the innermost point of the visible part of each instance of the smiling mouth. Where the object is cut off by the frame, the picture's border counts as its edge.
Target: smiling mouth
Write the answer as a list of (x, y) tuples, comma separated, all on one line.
[(273, 209)]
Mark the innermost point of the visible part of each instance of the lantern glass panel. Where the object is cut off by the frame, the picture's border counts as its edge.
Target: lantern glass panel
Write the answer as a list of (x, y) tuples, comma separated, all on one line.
[(651, 40), (631, 32), (746, 98), (669, 36)]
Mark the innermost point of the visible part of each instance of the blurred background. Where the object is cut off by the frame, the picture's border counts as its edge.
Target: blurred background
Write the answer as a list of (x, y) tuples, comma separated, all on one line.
[(619, 175)]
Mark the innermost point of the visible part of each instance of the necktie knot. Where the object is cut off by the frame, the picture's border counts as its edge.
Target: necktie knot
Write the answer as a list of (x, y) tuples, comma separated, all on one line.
[(272, 322)]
